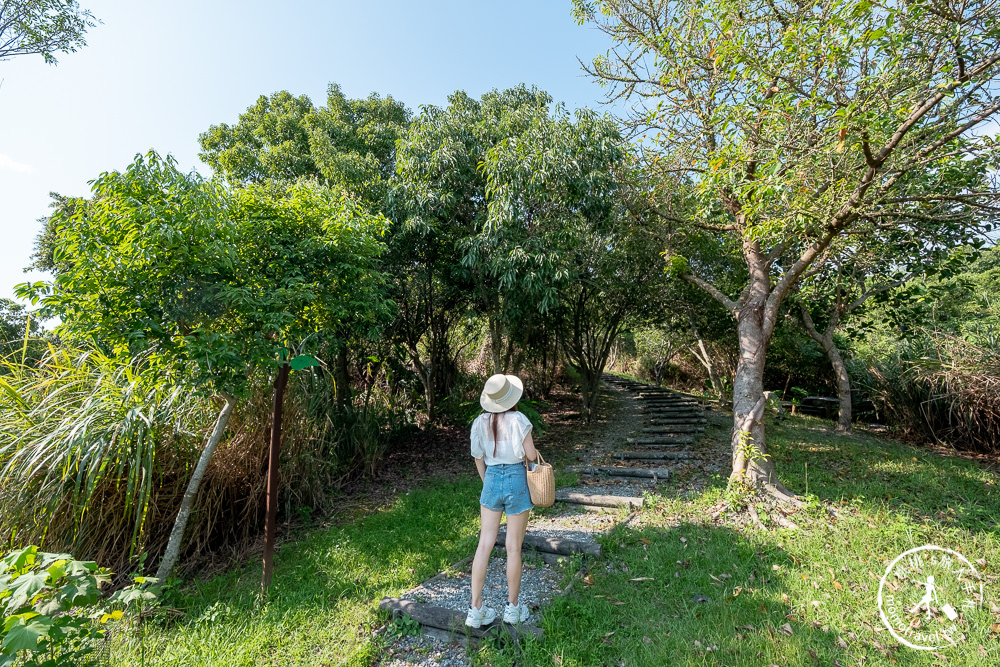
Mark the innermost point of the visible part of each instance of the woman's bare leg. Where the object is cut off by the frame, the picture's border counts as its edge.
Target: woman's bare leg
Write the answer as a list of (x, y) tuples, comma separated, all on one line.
[(516, 525), (490, 522)]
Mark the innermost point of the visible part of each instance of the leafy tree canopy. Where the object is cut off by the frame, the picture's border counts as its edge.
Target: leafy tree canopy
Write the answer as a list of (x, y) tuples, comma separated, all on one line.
[(43, 27), (215, 283)]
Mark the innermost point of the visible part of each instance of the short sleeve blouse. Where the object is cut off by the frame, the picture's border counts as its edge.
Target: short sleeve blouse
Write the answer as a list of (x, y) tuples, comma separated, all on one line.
[(512, 427)]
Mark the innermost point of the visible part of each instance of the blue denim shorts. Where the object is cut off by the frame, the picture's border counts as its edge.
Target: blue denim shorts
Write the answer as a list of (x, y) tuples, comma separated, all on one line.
[(505, 489)]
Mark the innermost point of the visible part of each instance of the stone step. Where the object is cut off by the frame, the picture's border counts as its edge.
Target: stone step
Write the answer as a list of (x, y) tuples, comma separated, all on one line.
[(593, 500), (652, 455), (656, 474), (674, 428), (449, 620), (668, 421), (554, 545), (671, 412), (667, 403), (661, 441)]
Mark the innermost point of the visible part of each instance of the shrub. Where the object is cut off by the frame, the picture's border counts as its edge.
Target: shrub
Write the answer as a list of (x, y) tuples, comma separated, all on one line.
[(53, 611)]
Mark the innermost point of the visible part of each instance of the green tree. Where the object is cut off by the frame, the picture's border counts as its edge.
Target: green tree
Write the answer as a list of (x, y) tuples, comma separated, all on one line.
[(439, 203), (349, 145), (796, 122), (17, 327), (559, 241), (213, 285), (269, 142), (43, 27)]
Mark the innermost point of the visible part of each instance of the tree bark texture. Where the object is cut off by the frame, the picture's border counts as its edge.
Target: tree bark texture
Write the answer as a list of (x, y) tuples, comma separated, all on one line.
[(706, 360), (825, 339), (274, 455), (191, 493)]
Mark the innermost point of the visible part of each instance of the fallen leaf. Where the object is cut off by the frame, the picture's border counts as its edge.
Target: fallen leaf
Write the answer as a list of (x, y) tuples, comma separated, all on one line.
[(589, 580), (557, 659), (683, 539), (645, 541), (647, 640), (836, 584), (841, 643), (787, 629), (736, 592), (642, 579)]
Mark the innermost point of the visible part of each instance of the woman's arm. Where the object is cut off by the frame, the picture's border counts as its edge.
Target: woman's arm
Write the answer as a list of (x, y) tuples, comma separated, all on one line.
[(481, 467), (530, 453)]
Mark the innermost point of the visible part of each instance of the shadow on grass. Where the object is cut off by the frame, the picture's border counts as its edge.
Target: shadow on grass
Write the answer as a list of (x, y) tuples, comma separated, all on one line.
[(860, 469), (699, 594)]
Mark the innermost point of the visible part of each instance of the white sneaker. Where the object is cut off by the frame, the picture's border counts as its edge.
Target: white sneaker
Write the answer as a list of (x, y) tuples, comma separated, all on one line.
[(515, 613), (479, 617)]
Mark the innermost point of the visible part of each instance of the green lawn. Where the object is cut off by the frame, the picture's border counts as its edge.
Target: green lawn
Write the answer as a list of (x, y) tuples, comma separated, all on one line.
[(322, 607), (774, 596), (764, 596)]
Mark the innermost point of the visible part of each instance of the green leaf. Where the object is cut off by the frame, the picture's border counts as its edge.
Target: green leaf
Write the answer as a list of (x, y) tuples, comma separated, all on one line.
[(25, 636), (303, 361)]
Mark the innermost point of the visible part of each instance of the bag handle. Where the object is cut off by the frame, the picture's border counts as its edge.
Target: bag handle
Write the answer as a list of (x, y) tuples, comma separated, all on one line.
[(539, 460)]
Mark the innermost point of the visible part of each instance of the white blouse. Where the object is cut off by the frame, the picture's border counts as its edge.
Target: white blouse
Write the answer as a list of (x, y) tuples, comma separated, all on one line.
[(512, 427)]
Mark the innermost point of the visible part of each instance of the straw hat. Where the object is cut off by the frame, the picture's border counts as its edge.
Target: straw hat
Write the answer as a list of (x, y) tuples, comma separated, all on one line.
[(501, 393)]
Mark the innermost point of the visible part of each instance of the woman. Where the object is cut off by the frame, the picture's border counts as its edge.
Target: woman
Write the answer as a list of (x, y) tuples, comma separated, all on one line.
[(501, 441)]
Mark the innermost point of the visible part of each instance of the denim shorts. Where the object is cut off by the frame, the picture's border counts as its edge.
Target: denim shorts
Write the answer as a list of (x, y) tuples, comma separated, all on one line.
[(505, 489)]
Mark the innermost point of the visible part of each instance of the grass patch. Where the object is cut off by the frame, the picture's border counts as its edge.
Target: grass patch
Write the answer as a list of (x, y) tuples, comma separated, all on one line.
[(323, 605), (682, 590), (673, 589)]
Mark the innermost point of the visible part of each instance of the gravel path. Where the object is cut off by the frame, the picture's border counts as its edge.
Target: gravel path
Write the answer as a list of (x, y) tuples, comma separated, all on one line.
[(539, 582)]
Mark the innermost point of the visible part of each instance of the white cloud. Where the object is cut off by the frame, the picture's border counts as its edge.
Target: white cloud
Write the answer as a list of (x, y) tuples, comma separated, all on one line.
[(9, 164)]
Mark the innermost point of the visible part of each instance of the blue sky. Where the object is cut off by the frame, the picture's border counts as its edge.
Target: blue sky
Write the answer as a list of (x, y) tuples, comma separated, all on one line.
[(155, 75)]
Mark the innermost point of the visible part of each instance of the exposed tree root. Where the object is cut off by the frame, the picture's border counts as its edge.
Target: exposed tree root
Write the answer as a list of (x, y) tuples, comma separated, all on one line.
[(777, 491), (784, 521), (717, 513), (752, 511)]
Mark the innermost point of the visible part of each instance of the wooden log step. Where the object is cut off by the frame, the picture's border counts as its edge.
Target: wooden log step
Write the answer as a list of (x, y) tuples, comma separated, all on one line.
[(674, 428), (442, 618), (551, 559), (660, 402), (676, 420), (672, 412), (598, 501), (661, 441), (657, 474), (652, 456), (554, 545)]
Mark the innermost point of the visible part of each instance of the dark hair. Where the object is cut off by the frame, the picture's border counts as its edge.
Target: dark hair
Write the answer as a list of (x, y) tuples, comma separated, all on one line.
[(493, 425)]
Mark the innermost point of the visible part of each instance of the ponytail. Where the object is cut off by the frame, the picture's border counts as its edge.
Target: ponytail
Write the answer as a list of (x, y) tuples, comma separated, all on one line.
[(493, 425)]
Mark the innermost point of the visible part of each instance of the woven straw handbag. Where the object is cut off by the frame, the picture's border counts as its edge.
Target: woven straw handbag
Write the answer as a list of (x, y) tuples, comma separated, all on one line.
[(541, 482)]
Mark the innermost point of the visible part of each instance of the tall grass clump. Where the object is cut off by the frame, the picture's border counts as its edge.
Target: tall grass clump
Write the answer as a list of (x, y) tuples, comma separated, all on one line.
[(96, 451), (941, 386), (80, 435)]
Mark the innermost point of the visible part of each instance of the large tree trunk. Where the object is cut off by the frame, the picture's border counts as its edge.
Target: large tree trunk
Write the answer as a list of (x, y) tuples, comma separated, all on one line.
[(191, 493), (750, 458), (274, 455)]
